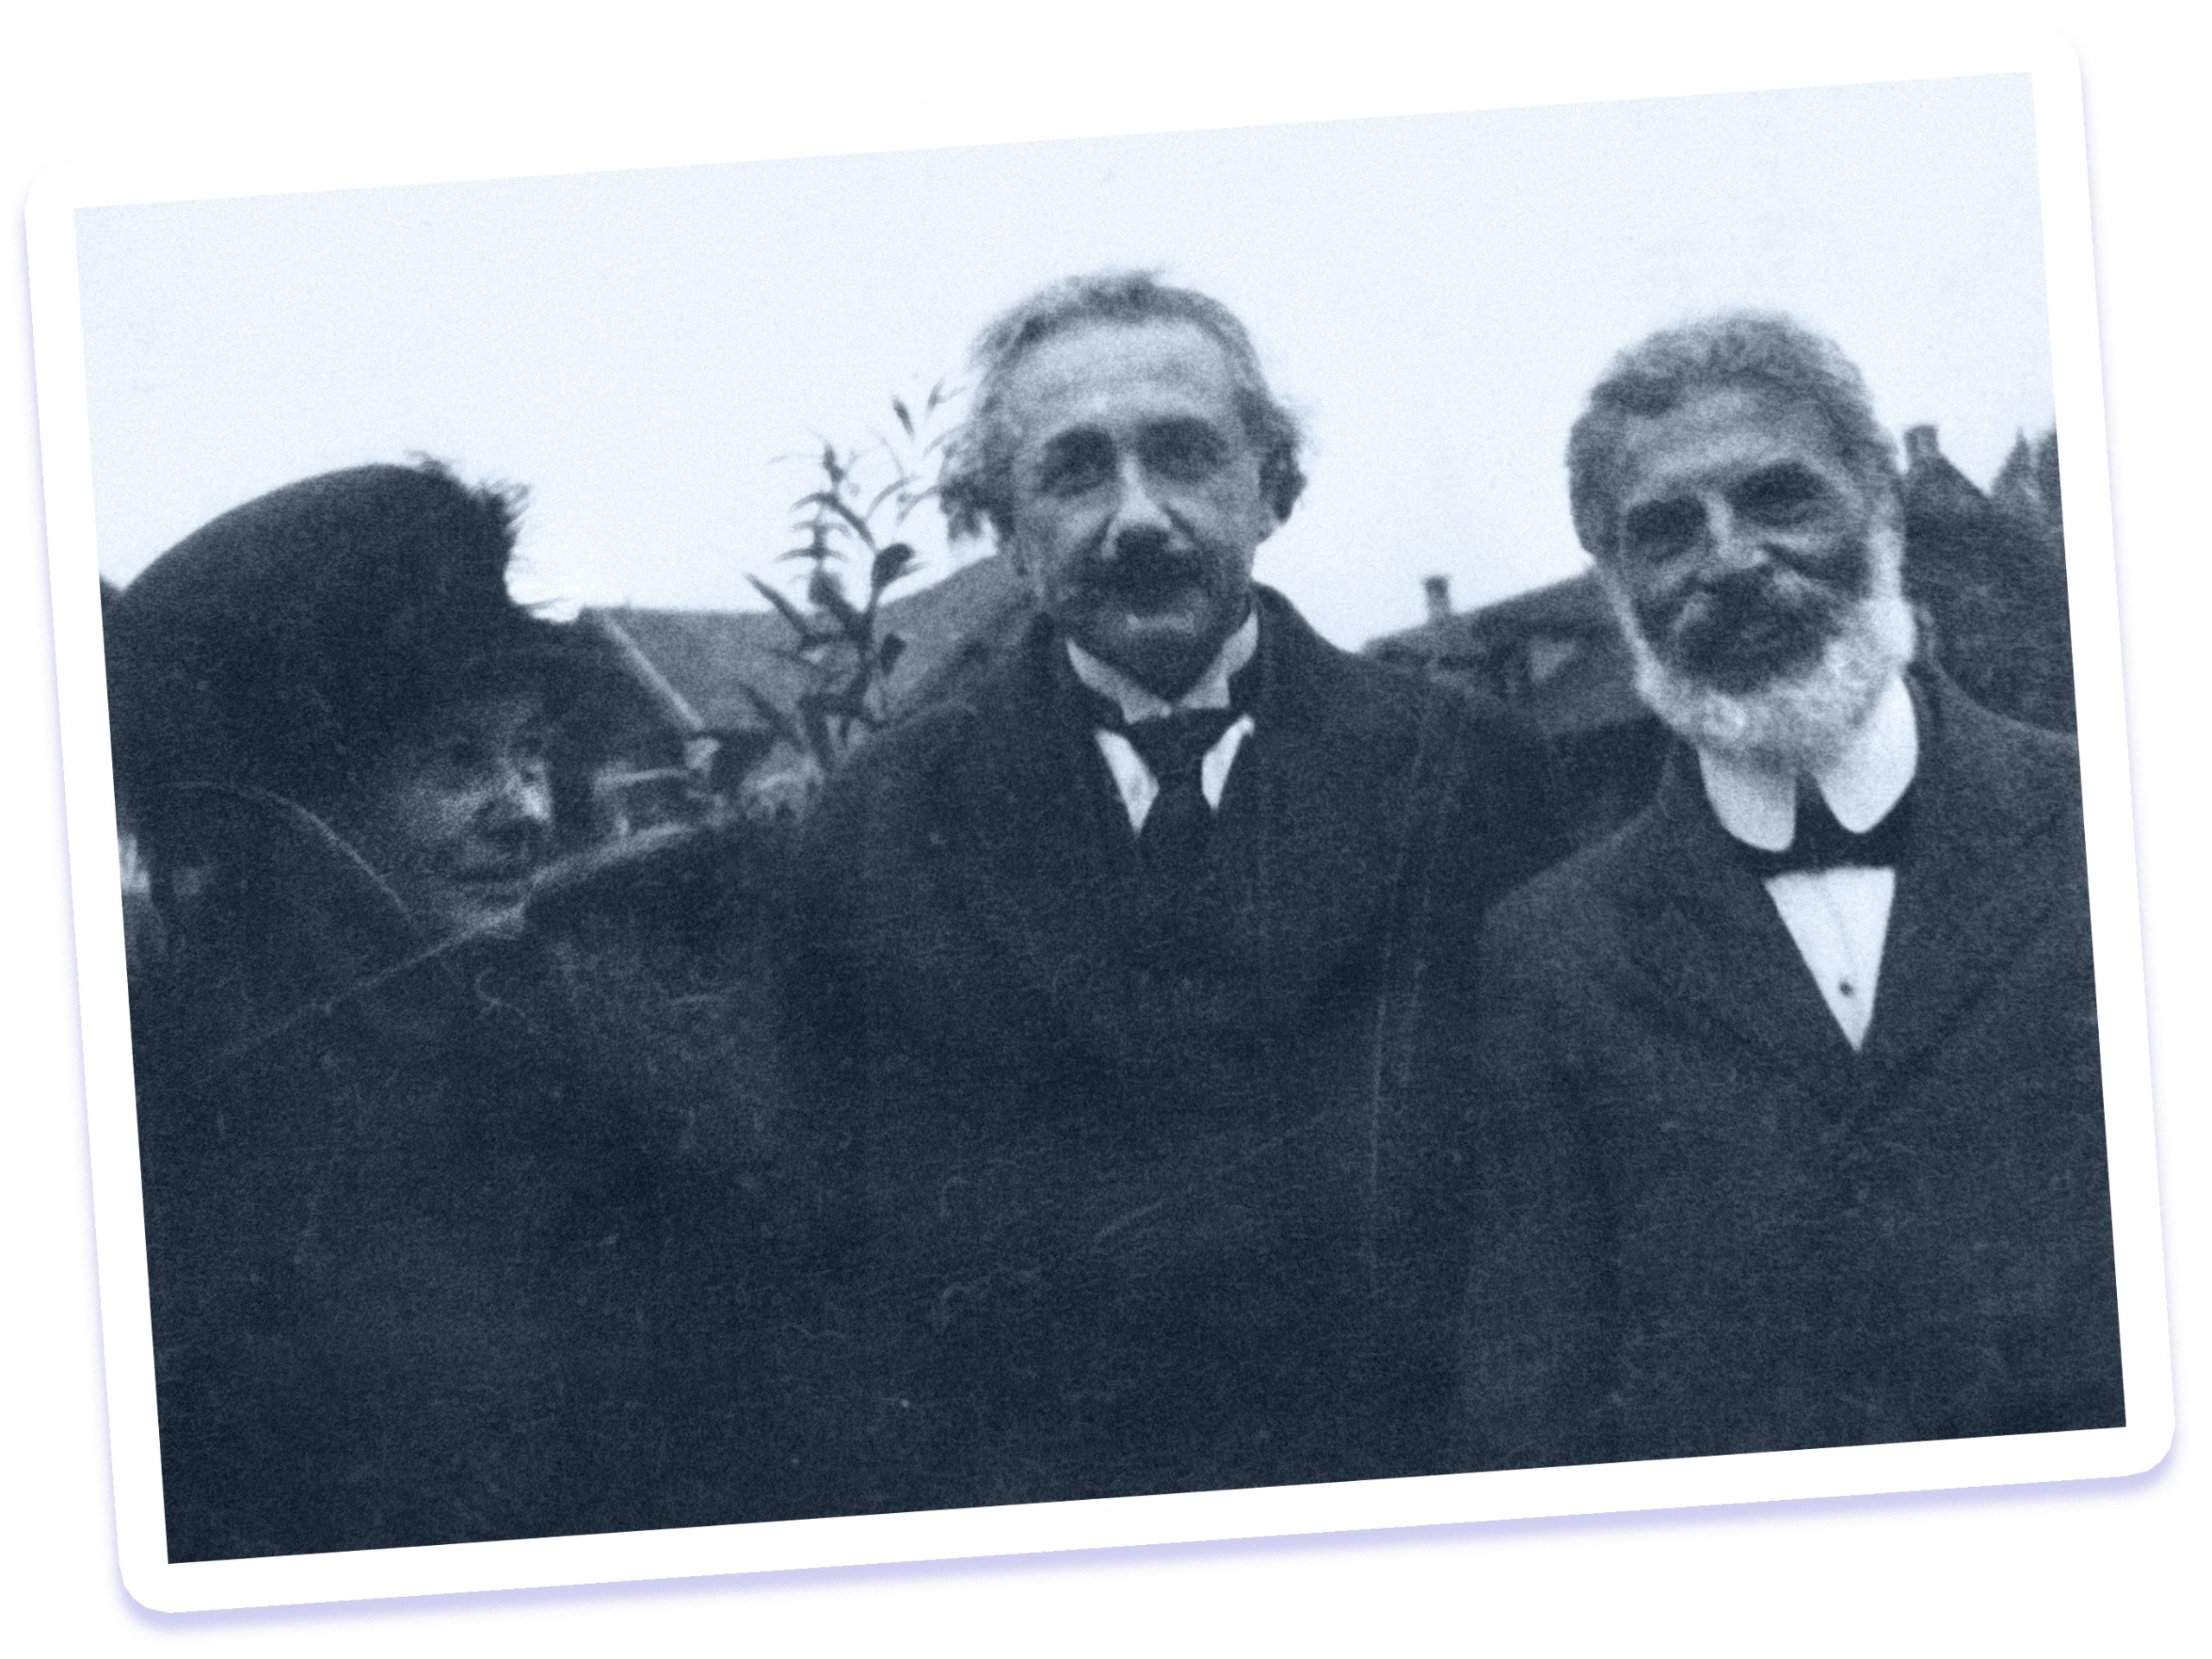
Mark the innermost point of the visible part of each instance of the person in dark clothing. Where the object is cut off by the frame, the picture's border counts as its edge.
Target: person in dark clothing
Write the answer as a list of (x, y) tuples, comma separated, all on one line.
[(1789, 1129), (429, 1261), (1117, 971)]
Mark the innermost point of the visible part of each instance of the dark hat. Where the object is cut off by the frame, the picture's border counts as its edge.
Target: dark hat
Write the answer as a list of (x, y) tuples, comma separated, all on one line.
[(285, 645)]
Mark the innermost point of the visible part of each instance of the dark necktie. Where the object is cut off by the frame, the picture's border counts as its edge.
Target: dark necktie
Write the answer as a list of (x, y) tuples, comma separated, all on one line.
[(1173, 747), (1822, 843)]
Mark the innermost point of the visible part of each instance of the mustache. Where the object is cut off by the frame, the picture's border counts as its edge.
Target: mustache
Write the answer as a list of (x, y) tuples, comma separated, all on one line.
[(1742, 599), (1137, 564), (1745, 625)]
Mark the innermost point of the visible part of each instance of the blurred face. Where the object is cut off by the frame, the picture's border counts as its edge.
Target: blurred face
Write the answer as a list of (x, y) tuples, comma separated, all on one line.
[(1744, 541), (1137, 503), (459, 815)]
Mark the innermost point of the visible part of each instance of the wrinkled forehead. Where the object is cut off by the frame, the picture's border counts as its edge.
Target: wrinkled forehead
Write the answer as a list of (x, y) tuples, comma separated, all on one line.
[(1722, 432), (1120, 376)]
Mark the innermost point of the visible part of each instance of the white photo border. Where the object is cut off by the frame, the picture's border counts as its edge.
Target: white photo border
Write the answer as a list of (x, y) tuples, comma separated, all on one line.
[(157, 1583)]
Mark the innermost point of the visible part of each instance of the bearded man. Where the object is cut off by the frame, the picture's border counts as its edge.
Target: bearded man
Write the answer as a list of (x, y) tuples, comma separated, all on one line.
[(1791, 1130), (1117, 968)]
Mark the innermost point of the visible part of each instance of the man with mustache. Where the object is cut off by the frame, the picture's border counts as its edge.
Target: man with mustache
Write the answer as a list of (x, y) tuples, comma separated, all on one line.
[(1120, 968), (1790, 1127)]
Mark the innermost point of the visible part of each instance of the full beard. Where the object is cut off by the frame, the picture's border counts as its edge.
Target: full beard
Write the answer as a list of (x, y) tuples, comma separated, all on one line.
[(1797, 722)]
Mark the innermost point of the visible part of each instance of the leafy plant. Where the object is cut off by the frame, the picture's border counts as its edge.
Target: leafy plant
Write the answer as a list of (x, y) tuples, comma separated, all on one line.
[(851, 521)]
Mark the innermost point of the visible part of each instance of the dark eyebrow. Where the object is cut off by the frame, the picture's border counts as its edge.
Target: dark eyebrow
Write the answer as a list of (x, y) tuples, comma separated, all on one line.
[(1670, 520), (1184, 429), (1790, 477), (1081, 443), (1185, 447)]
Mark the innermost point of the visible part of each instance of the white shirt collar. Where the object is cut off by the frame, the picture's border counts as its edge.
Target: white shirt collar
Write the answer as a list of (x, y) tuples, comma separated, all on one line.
[(1210, 690), (1759, 805)]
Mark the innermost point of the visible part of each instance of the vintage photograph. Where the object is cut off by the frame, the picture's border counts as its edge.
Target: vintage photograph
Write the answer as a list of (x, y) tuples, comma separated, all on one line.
[(902, 834)]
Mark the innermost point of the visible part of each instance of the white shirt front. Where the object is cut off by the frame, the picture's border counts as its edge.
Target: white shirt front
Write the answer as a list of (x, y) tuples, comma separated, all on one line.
[(1133, 779), (1840, 918)]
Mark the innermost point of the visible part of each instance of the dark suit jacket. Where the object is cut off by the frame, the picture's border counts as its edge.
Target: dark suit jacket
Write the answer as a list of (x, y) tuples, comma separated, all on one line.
[(1147, 1195), (1706, 1225)]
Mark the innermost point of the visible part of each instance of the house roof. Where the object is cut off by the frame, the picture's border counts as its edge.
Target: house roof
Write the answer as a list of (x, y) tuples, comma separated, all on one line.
[(954, 627), (692, 663), (1554, 651), (1574, 607), (1593, 690), (693, 666), (1581, 681)]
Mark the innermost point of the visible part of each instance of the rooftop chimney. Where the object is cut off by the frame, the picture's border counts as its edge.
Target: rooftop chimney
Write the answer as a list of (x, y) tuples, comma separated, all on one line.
[(1920, 445), (1438, 591)]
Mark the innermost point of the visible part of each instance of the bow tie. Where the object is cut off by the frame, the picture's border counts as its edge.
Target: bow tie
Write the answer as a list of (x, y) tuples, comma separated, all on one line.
[(1822, 843)]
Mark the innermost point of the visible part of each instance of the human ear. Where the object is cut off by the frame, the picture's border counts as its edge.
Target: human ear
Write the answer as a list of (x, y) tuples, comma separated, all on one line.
[(1270, 512), (1014, 545)]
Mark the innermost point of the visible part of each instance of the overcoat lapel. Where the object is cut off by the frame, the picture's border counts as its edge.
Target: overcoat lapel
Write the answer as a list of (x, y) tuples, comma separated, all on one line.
[(1990, 859), (1986, 866), (1702, 927), (1025, 803), (1302, 841), (1303, 838)]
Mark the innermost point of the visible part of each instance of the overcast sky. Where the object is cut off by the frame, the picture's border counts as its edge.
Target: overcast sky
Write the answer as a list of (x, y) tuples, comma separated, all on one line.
[(1433, 294)]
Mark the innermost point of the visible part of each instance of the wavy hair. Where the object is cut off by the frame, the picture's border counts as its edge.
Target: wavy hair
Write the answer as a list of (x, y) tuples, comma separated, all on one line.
[(1756, 348), (976, 484)]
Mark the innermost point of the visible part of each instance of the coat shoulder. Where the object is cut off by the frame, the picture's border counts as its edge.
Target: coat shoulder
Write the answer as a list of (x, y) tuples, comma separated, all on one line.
[(2047, 762), (1577, 901), (891, 764), (1363, 690), (1389, 714)]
